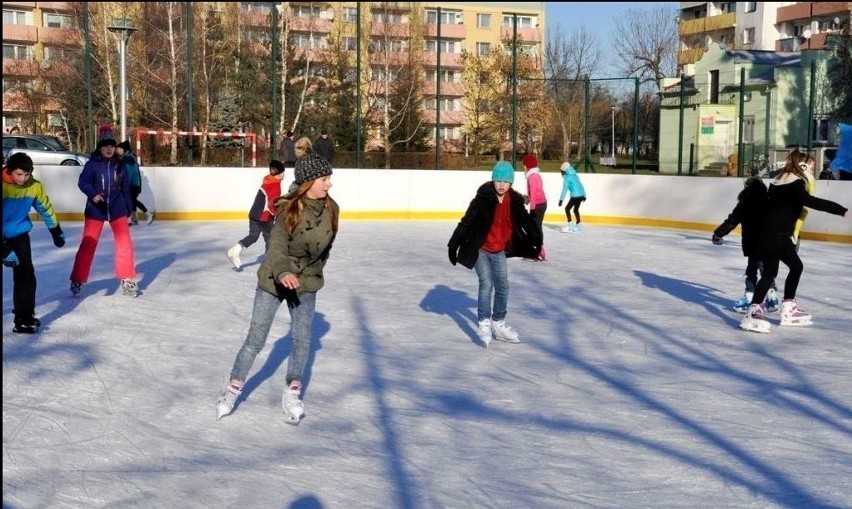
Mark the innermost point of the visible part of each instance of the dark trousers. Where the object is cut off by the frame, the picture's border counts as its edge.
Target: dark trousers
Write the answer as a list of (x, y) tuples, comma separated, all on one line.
[(844, 175), (574, 203), (751, 273), (539, 215), (23, 279), (256, 228), (788, 256), (135, 191)]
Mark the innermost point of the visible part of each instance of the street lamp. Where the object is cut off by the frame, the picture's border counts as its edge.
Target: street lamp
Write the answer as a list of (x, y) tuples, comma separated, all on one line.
[(613, 135), (124, 29)]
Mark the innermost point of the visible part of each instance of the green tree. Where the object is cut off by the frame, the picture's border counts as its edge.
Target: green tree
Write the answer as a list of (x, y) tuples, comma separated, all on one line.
[(840, 75)]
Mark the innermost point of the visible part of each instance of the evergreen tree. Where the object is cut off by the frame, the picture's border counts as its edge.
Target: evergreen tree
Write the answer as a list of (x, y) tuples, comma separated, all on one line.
[(840, 75)]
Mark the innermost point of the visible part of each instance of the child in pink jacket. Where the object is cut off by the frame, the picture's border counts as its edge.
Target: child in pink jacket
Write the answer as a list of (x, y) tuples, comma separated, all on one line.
[(535, 194)]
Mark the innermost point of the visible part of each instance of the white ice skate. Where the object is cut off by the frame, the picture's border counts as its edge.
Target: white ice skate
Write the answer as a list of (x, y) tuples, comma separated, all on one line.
[(76, 287), (791, 315), (129, 288), (503, 332), (568, 229), (294, 408), (483, 331), (771, 302), (226, 401), (741, 306), (234, 255), (754, 320), (150, 218)]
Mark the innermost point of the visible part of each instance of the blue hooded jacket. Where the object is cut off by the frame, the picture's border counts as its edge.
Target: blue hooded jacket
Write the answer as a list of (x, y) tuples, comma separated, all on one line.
[(571, 184), (108, 178)]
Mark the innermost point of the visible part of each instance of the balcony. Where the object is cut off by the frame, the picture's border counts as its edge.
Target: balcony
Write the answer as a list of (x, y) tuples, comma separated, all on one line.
[(19, 33), (58, 36), (447, 89), (829, 8), (689, 56), (448, 31), (524, 34), (709, 24), (390, 29), (14, 67), (447, 59), (315, 25)]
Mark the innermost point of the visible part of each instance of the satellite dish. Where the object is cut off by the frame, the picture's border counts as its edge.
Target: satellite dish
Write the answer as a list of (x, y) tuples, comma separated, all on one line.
[(807, 33)]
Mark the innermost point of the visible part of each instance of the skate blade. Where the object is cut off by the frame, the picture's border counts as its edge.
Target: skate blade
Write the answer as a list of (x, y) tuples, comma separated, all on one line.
[(763, 329), (222, 410), (740, 310), (801, 323), (505, 340)]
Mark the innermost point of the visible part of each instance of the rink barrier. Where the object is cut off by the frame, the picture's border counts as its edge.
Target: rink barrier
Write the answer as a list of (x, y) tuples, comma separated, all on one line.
[(658, 201)]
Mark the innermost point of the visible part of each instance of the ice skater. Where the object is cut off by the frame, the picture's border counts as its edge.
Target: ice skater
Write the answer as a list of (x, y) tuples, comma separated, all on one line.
[(292, 272), (262, 212), (495, 226), (535, 196), (573, 187), (786, 197)]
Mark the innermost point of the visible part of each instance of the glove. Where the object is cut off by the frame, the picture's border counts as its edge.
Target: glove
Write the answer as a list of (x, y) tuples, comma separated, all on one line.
[(453, 254), (11, 259), (560, 203), (58, 236), (717, 240)]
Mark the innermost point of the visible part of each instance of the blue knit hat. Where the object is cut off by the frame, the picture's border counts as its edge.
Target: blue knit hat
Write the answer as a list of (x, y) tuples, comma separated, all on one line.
[(503, 172)]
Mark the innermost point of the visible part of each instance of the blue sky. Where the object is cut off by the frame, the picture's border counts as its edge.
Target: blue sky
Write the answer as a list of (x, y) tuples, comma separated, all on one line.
[(596, 16)]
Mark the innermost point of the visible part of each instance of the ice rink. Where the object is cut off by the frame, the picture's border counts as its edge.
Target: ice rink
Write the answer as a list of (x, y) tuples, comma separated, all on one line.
[(633, 386)]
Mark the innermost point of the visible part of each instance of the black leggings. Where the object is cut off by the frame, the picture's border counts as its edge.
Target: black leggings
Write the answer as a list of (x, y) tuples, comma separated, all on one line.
[(23, 279), (790, 258), (574, 203), (135, 191)]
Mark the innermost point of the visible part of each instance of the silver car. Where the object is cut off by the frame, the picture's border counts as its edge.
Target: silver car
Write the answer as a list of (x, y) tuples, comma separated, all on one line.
[(43, 149)]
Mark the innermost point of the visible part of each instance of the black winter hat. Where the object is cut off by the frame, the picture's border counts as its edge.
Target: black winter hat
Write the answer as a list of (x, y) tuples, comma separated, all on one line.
[(19, 161), (276, 167), (125, 145), (311, 167), (105, 136)]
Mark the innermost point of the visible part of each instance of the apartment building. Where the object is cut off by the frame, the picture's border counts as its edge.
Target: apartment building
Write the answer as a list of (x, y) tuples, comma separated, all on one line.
[(769, 26), (29, 29)]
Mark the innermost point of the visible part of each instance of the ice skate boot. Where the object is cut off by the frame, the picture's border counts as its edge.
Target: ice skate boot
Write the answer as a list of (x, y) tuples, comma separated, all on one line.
[(133, 220), (294, 408), (754, 320), (129, 288), (226, 401), (568, 229), (150, 218), (771, 303), (741, 306), (234, 255), (578, 228), (76, 286), (791, 315), (26, 325), (503, 332), (483, 331)]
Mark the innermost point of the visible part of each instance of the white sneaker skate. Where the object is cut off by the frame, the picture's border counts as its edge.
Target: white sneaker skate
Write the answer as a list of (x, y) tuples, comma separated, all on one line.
[(741, 306), (484, 332), (771, 301), (234, 255), (294, 408), (568, 229), (226, 401), (129, 288), (793, 316), (578, 228), (150, 218), (503, 332), (754, 320)]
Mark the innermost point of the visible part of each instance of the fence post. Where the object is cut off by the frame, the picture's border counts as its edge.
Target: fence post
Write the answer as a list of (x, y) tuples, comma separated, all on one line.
[(680, 130), (740, 148), (691, 156)]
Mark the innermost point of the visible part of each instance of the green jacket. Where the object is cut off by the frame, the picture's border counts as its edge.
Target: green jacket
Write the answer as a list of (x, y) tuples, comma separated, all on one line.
[(304, 253)]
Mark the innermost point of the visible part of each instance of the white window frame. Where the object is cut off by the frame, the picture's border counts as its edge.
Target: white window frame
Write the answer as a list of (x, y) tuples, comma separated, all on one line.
[(350, 14), (349, 43), (306, 11), (54, 20), (18, 52), (16, 17), (483, 20), (447, 17), (748, 35), (523, 21), (483, 48), (750, 6)]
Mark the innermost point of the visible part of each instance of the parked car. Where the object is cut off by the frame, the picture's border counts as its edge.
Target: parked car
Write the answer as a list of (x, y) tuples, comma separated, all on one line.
[(43, 149)]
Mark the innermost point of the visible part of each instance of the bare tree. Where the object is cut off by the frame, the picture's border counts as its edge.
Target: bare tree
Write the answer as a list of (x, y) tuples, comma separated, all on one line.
[(568, 59), (646, 43)]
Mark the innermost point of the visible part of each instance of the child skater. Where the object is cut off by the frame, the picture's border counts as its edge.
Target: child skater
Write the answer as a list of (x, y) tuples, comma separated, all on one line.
[(21, 193), (572, 186), (535, 195), (292, 271), (750, 205), (786, 197), (495, 226), (262, 212)]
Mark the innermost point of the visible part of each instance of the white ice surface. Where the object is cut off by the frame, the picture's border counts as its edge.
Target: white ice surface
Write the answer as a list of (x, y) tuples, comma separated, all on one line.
[(633, 387)]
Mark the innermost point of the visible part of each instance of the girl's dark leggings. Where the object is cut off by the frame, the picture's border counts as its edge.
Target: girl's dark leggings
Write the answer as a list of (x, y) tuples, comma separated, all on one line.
[(574, 203), (788, 257)]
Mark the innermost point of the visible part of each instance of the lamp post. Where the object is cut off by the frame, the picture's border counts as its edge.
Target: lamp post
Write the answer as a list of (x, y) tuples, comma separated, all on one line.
[(613, 135), (124, 29)]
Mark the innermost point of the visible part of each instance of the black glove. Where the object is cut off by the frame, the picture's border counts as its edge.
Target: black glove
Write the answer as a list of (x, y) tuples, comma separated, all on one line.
[(717, 240), (560, 203), (58, 236), (453, 254)]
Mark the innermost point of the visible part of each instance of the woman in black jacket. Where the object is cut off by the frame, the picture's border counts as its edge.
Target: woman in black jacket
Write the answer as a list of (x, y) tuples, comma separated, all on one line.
[(495, 226)]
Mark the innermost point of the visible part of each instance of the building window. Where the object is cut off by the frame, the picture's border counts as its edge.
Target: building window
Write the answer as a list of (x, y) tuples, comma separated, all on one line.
[(350, 14), (308, 41), (446, 46), (349, 43), (751, 6), (748, 36), (56, 54), (820, 133), (483, 20), (58, 21), (384, 45), (54, 120), (447, 17), (523, 21), (449, 133), (483, 48), (383, 16), (11, 17), (306, 11), (728, 7), (748, 129), (17, 52), (447, 76), (262, 7)]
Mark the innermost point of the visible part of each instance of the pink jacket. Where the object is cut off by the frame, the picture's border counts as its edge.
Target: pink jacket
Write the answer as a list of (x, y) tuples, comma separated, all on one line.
[(535, 188)]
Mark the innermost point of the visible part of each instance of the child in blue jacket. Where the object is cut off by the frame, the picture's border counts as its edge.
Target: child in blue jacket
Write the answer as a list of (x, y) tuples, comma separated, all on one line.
[(571, 184)]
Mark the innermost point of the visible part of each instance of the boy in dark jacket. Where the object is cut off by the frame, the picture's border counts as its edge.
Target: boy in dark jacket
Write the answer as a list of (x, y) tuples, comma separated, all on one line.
[(751, 203), (495, 226), (262, 212)]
